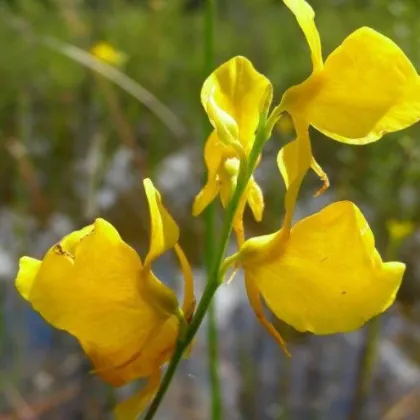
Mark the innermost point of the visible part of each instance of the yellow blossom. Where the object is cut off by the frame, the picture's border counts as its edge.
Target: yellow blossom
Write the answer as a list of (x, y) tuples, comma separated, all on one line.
[(322, 275), (107, 53), (366, 88), (399, 229), (325, 275), (234, 96), (94, 286)]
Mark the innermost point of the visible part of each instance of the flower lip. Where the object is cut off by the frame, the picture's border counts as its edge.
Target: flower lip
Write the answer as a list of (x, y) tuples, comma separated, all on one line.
[(299, 280)]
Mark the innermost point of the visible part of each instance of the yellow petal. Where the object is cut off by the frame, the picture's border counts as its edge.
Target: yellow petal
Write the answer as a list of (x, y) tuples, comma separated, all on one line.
[(316, 167), (293, 161), (164, 232), (159, 296), (94, 294), (106, 52), (205, 196), (226, 127), (305, 17), (368, 88), (288, 162), (28, 270), (238, 224), (255, 199), (188, 305), (215, 153), (70, 242), (131, 408), (164, 235), (328, 277), (228, 179), (153, 351), (254, 297), (240, 92), (399, 229)]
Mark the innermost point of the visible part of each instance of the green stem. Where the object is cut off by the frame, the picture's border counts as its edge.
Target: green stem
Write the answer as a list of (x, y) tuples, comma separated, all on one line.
[(213, 354), (209, 220), (209, 19), (215, 278), (365, 370)]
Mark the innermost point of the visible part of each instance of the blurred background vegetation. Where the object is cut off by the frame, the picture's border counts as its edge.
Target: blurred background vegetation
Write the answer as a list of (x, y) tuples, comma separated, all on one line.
[(75, 145)]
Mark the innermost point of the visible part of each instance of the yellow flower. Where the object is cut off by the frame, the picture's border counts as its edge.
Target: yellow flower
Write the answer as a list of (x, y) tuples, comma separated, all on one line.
[(399, 229), (322, 275), (366, 88), (94, 286), (325, 275), (234, 96), (107, 53)]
